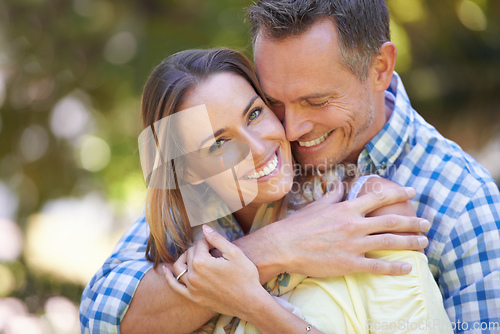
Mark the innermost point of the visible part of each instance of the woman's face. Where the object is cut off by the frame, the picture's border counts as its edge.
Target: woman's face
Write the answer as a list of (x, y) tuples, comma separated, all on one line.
[(225, 122)]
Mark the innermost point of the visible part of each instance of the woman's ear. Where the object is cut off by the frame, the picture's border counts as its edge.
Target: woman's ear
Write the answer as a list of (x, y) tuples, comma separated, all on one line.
[(383, 66)]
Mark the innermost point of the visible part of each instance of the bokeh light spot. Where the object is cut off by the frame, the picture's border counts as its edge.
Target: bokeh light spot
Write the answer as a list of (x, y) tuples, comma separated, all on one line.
[(402, 42), (471, 15), (94, 153), (3, 80), (11, 240), (408, 10), (7, 281), (84, 7), (8, 200), (26, 324), (34, 143), (10, 308), (62, 314), (70, 118), (81, 227), (120, 48)]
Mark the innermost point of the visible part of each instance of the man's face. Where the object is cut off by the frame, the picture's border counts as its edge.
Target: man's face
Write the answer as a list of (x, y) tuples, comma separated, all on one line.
[(328, 114)]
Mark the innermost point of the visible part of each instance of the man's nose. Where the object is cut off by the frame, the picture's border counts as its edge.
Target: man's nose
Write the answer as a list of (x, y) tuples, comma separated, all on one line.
[(296, 123)]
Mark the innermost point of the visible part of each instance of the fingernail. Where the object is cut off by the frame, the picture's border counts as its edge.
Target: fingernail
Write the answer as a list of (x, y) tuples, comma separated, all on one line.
[(410, 191), (425, 225), (207, 229), (164, 269), (422, 241), (406, 268)]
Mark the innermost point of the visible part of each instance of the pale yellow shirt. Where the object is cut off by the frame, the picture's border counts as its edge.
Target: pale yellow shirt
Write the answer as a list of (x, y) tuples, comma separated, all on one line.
[(357, 303)]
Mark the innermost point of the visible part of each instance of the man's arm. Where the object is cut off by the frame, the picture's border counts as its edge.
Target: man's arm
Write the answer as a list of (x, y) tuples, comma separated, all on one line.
[(107, 296), (469, 266), (327, 239), (127, 285), (156, 308), (333, 235)]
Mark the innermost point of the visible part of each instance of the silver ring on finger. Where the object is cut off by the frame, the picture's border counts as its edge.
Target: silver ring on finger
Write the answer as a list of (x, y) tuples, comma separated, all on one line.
[(180, 275)]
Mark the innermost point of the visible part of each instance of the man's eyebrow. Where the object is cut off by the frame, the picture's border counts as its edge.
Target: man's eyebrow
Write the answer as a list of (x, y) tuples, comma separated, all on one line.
[(220, 131), (302, 98), (270, 99), (313, 96)]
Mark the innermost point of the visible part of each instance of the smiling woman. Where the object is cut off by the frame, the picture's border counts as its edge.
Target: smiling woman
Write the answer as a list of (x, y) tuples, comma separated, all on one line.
[(214, 119)]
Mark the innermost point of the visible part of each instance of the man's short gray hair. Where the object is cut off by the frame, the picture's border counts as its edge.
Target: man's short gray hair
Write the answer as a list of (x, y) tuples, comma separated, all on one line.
[(363, 25)]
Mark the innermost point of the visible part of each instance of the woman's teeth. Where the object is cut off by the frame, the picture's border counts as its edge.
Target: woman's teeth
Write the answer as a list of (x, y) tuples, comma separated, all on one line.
[(316, 141), (271, 166)]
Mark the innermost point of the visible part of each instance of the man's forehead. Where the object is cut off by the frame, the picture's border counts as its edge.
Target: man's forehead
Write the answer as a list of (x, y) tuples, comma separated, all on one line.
[(319, 36), (295, 83)]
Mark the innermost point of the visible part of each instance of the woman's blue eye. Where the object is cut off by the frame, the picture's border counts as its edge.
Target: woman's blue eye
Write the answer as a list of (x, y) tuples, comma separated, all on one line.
[(218, 143), (254, 114)]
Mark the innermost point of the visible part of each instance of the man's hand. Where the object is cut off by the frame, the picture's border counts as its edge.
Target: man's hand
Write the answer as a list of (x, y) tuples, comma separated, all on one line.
[(327, 238)]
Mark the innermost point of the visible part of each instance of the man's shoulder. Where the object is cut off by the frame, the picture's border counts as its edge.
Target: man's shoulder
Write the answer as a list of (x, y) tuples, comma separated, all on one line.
[(442, 155), (446, 178), (135, 238)]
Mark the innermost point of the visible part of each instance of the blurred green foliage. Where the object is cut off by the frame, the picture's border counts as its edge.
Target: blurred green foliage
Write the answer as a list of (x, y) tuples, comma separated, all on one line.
[(100, 53)]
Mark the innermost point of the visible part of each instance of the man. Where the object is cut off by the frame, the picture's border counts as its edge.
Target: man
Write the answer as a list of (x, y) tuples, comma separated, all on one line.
[(324, 74), (327, 67)]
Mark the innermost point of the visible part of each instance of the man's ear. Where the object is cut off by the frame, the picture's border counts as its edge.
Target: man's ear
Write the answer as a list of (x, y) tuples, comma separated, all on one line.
[(383, 66)]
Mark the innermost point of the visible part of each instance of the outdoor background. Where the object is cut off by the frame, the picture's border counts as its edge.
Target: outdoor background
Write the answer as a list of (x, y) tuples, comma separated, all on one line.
[(71, 75)]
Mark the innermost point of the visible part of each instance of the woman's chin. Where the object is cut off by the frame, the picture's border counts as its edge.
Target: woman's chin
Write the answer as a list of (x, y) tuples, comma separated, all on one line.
[(273, 191)]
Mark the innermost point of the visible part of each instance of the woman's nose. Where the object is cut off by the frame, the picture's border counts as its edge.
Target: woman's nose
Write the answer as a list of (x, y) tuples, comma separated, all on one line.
[(257, 146), (256, 142)]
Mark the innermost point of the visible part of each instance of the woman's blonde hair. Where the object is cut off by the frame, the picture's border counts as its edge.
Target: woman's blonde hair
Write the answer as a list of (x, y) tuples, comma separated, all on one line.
[(164, 92)]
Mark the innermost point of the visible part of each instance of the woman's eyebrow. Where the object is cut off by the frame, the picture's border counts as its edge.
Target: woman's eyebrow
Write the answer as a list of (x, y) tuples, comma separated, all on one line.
[(220, 131), (252, 100), (214, 135)]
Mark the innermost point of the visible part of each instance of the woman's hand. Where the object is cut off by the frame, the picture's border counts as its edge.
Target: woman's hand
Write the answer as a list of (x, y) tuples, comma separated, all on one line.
[(225, 284)]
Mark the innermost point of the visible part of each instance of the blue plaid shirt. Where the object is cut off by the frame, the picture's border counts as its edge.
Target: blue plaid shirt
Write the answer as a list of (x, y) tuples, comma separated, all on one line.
[(454, 192)]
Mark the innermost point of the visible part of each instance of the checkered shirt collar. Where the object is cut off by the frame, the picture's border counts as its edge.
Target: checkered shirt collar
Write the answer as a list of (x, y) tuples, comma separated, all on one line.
[(386, 147)]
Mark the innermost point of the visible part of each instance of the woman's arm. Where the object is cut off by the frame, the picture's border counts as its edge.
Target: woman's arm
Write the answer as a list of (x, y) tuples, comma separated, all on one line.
[(230, 285)]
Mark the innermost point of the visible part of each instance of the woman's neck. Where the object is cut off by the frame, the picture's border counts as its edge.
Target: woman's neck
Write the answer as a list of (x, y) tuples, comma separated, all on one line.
[(246, 215)]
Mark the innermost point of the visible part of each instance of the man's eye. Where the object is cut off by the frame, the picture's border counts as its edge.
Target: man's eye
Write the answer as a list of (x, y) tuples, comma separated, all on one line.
[(254, 114), (218, 143), (321, 104)]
